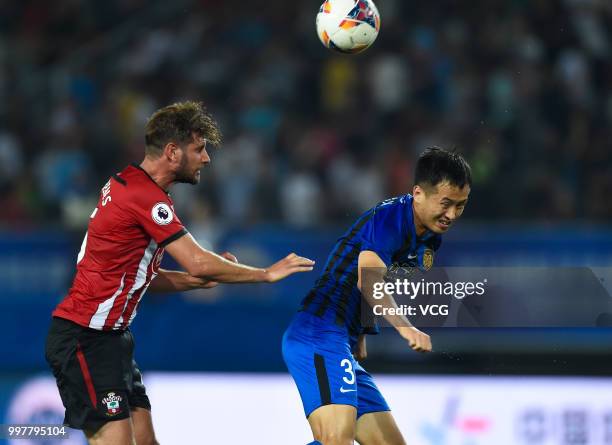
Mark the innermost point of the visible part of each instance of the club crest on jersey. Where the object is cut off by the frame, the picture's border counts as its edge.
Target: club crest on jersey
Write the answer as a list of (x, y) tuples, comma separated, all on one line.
[(112, 402), (162, 213), (428, 259)]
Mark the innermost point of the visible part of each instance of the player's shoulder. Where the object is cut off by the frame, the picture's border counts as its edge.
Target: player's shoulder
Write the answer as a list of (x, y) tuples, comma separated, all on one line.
[(391, 216), (395, 201), (394, 205), (135, 193), (134, 176), (139, 188)]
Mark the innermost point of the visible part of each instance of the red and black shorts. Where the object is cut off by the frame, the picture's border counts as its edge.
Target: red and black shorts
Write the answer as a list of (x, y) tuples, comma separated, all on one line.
[(96, 374)]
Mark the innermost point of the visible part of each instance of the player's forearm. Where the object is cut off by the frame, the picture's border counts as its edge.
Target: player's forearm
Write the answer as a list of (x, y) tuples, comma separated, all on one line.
[(360, 352), (372, 270), (397, 321), (388, 308), (175, 281), (216, 268), (361, 342)]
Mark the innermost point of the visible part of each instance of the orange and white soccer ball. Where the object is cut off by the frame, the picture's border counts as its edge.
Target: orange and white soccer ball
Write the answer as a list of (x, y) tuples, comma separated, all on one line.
[(348, 26)]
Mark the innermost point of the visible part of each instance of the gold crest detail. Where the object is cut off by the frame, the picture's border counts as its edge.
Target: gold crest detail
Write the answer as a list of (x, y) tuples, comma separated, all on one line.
[(428, 259)]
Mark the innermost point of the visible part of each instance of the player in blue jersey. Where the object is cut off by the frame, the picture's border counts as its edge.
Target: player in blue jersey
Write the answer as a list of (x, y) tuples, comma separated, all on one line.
[(326, 338)]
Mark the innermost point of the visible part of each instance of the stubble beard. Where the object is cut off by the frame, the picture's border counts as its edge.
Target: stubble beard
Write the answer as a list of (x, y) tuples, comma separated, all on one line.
[(184, 176)]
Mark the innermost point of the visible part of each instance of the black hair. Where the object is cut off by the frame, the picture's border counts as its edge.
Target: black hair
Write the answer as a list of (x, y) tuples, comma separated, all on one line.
[(436, 165)]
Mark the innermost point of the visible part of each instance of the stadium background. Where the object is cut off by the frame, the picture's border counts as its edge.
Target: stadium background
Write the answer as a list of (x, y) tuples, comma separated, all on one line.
[(522, 88)]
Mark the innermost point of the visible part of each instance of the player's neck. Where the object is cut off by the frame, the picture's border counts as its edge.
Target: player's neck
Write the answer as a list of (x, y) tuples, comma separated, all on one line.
[(163, 178), (419, 227)]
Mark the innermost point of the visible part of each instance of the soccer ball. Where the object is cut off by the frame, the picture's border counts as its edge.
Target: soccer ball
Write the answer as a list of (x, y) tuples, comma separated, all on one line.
[(348, 26)]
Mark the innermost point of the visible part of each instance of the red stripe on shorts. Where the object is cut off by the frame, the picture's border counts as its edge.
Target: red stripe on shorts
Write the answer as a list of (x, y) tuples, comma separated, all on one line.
[(86, 375)]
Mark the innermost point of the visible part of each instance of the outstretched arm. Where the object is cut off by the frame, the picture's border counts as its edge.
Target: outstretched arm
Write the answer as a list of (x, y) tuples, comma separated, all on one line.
[(419, 341), (177, 281), (202, 263)]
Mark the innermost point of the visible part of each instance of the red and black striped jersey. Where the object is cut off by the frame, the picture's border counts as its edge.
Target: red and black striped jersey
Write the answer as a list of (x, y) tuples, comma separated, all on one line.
[(121, 252)]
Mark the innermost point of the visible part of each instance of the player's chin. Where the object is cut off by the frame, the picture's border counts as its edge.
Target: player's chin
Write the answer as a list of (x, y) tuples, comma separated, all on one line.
[(194, 179), (188, 180)]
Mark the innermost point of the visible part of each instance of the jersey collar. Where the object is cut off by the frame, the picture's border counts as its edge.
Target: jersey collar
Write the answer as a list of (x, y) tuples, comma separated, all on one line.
[(135, 165)]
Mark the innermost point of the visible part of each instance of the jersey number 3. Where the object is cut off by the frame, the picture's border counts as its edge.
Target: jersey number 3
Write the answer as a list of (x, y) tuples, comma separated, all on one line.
[(349, 370)]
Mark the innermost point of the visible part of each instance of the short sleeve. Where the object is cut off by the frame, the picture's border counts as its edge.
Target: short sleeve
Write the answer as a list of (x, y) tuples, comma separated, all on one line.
[(383, 233), (158, 219), (371, 330)]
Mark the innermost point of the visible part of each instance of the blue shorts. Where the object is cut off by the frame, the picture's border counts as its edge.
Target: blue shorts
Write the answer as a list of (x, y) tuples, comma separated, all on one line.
[(320, 361)]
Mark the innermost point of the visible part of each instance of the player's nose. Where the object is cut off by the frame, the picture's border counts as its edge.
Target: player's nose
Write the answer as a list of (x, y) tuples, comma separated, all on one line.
[(204, 158), (451, 214)]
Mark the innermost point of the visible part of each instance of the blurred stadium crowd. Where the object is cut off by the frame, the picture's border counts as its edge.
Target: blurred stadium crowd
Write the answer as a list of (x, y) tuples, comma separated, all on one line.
[(522, 87)]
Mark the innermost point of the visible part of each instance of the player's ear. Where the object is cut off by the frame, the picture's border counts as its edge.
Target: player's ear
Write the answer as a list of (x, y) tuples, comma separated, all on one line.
[(418, 193), (171, 151)]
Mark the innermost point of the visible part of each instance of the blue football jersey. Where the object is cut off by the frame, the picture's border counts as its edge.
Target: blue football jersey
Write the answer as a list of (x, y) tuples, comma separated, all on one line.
[(386, 229)]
